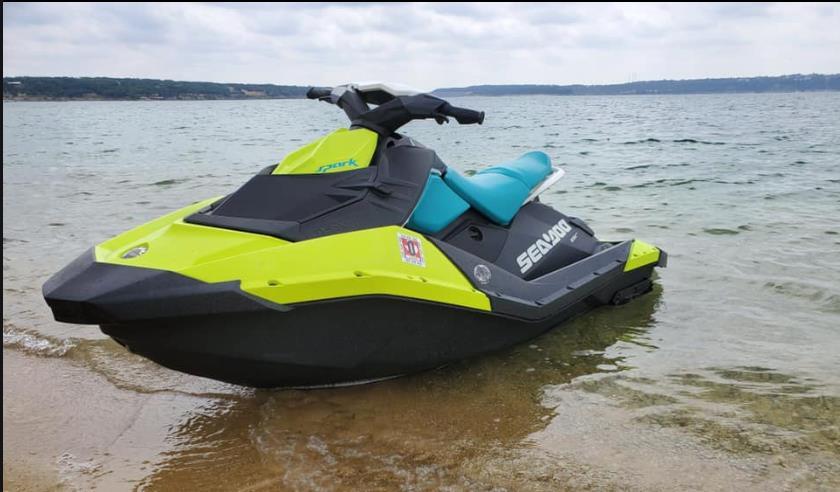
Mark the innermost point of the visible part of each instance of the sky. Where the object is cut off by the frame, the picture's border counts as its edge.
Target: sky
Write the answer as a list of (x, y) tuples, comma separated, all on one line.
[(427, 45)]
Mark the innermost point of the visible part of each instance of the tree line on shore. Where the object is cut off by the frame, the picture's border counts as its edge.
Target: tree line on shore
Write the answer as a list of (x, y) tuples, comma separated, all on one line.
[(106, 88)]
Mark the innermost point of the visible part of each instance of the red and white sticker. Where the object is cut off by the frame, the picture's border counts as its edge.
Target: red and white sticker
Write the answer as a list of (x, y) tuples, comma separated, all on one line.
[(411, 250)]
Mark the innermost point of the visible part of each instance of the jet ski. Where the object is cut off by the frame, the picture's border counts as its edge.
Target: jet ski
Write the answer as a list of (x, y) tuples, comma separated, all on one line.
[(360, 256)]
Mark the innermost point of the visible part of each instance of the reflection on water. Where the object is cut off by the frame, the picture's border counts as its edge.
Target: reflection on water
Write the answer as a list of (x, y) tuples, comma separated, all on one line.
[(727, 424), (456, 426), (757, 410)]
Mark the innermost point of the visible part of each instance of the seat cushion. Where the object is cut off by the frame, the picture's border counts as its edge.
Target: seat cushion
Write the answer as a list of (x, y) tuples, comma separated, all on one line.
[(531, 168), (499, 191), (437, 208), (495, 195)]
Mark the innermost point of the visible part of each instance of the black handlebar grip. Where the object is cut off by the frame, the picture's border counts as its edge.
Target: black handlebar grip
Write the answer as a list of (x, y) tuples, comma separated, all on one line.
[(465, 116), (318, 92)]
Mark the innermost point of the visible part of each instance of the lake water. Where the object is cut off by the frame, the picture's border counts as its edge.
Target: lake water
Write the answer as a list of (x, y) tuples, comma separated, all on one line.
[(726, 377)]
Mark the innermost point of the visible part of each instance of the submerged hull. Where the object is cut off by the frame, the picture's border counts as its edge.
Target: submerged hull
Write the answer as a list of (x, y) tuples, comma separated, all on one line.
[(218, 331)]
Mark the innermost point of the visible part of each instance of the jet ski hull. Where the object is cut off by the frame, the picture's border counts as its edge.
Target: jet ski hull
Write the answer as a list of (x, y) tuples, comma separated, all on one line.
[(219, 332)]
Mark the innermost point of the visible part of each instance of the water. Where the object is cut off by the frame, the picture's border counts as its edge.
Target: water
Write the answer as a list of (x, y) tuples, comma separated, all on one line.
[(726, 376)]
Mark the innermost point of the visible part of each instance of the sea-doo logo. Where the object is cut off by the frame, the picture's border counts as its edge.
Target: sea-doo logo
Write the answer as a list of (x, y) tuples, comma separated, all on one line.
[(336, 165), (540, 247)]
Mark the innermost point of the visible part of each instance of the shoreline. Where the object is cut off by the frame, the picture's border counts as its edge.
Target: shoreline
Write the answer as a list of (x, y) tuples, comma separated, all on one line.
[(54, 440)]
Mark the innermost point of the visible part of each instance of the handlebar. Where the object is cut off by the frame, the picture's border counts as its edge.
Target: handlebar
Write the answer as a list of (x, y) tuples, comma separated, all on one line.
[(464, 116), (318, 92), (389, 115)]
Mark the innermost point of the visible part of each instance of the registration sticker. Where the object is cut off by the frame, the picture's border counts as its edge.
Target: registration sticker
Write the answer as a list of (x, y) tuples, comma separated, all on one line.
[(411, 250)]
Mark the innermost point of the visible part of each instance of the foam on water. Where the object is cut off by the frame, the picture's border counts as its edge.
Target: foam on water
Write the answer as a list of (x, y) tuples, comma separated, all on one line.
[(32, 342)]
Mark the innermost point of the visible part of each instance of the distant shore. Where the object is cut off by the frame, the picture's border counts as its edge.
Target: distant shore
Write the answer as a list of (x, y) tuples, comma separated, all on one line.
[(123, 99), (123, 89), (114, 89), (102, 99), (743, 85)]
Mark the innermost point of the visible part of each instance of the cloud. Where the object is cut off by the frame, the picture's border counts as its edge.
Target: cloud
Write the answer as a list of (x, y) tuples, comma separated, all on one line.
[(424, 44)]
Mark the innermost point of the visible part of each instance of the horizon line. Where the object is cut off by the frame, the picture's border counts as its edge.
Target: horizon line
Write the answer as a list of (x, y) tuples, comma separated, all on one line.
[(438, 88)]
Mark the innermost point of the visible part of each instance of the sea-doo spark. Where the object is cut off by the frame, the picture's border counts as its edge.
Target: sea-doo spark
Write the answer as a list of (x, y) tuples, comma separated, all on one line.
[(360, 256)]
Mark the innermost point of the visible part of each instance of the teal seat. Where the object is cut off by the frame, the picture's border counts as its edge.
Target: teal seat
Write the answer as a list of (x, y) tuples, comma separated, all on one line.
[(499, 191), (531, 168), (437, 208)]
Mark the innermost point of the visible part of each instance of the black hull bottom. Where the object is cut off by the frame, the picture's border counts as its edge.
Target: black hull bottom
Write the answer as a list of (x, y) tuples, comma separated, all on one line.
[(343, 341)]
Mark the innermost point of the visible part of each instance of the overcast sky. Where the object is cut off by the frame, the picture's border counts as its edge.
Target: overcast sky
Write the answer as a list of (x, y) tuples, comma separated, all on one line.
[(425, 45)]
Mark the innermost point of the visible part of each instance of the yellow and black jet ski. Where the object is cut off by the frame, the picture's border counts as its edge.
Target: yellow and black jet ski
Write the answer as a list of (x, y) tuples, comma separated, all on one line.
[(361, 256)]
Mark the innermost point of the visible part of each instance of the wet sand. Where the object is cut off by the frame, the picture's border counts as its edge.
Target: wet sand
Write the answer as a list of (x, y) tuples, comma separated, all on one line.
[(554, 414), (60, 423)]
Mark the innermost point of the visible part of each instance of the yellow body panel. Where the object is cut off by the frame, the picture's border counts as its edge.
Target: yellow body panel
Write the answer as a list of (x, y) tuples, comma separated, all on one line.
[(367, 262), (341, 150), (174, 245), (641, 254)]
